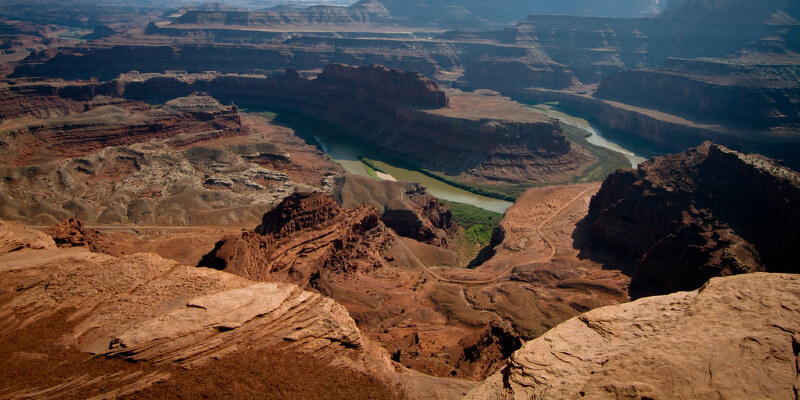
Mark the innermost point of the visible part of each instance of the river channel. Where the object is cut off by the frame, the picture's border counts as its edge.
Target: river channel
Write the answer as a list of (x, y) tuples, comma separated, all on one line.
[(596, 137), (348, 152)]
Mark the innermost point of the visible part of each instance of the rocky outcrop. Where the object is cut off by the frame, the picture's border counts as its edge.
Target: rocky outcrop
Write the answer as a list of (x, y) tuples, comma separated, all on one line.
[(400, 112), (304, 236), (405, 207), (71, 233), (678, 346), (684, 218)]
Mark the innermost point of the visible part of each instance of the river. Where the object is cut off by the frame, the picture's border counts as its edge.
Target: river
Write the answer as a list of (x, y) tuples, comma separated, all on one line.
[(596, 137), (347, 152)]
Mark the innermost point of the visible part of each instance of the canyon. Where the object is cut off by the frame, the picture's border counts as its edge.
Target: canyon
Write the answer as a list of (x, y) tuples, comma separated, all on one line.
[(641, 79), (484, 142), (228, 200)]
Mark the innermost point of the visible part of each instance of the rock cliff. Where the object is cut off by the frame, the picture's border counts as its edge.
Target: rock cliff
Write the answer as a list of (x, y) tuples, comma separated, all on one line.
[(684, 218), (752, 97), (417, 14), (409, 115), (682, 345), (362, 13), (381, 85)]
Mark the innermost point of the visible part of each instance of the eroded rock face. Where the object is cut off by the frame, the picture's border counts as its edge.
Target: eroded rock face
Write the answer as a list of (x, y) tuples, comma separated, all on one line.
[(71, 233), (750, 97), (405, 207), (709, 211), (382, 85), (737, 337), (398, 111), (304, 234)]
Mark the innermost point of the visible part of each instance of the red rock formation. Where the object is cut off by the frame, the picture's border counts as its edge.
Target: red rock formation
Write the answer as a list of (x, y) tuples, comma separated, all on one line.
[(400, 112), (71, 233), (709, 211), (303, 235), (736, 338)]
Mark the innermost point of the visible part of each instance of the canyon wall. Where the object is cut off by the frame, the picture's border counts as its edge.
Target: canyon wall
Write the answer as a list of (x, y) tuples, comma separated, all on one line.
[(439, 14), (712, 92), (647, 129), (401, 112), (709, 211), (367, 12), (375, 112)]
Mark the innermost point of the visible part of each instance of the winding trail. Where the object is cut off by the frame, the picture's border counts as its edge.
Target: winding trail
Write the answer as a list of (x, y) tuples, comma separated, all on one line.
[(507, 271)]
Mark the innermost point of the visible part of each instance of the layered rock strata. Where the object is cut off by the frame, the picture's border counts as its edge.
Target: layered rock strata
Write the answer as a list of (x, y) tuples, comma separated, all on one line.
[(400, 112), (731, 94), (106, 122), (304, 236)]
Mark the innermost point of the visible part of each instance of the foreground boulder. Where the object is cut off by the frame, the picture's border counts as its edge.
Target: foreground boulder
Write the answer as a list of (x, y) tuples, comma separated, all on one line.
[(710, 211), (736, 338)]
